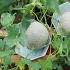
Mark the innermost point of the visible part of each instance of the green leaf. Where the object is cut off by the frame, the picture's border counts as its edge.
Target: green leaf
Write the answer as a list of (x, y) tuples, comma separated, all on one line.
[(57, 66), (26, 61), (34, 66), (23, 27), (6, 53), (10, 42), (1, 44), (46, 64), (25, 23), (13, 30), (52, 5), (7, 19), (12, 37), (7, 60), (4, 5)]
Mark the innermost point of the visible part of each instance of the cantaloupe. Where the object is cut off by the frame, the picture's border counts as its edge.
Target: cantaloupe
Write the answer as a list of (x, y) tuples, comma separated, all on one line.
[(65, 22), (37, 35)]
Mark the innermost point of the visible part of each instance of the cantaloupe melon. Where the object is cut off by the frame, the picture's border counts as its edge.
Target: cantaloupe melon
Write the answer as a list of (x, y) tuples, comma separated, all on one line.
[(37, 35)]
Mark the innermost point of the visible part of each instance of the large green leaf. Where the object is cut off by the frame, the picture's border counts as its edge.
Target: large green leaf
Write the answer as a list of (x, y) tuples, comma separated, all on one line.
[(4, 5), (51, 5), (23, 27), (12, 37), (7, 19)]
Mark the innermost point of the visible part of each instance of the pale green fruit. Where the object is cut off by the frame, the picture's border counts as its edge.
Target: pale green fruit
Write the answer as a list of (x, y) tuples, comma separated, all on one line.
[(37, 41), (65, 22), (37, 35)]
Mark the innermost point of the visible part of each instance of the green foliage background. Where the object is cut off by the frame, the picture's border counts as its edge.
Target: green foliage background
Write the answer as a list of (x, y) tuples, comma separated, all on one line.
[(16, 33)]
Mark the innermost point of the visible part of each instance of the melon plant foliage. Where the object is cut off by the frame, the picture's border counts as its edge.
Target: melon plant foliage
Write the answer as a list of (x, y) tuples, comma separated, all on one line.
[(14, 21)]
